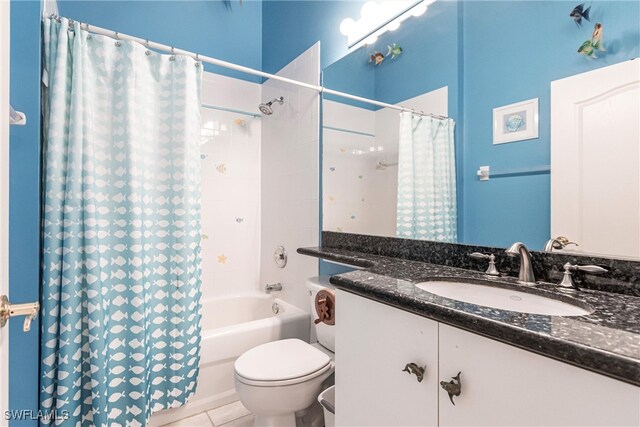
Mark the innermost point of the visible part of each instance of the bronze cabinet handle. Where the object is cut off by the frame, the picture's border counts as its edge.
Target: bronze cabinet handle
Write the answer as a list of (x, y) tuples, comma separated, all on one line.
[(453, 387), (418, 371)]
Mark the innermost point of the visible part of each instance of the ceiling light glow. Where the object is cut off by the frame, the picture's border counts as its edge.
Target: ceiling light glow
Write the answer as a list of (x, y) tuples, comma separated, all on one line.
[(394, 25), (346, 26), (419, 10), (380, 16)]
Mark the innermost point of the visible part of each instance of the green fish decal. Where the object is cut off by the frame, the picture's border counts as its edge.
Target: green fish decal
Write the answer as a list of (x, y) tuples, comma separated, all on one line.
[(394, 50), (589, 47)]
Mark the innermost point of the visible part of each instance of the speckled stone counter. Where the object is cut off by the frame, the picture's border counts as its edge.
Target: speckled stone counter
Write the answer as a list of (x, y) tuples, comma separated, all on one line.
[(606, 341)]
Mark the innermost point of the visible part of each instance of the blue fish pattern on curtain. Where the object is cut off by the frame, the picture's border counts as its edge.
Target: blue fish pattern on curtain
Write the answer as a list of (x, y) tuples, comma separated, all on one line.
[(121, 229), (426, 207)]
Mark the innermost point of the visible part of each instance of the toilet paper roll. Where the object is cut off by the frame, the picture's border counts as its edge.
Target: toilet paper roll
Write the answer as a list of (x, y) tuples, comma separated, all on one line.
[(326, 307)]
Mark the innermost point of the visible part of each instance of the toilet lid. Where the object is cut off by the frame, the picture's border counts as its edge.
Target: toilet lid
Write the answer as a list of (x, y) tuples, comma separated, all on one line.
[(281, 360)]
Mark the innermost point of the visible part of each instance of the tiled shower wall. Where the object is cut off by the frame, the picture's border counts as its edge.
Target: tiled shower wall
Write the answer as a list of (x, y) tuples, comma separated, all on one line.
[(230, 154), (290, 187), (357, 196)]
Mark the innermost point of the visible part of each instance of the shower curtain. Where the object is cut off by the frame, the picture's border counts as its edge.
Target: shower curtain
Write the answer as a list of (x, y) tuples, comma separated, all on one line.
[(426, 208), (121, 229)]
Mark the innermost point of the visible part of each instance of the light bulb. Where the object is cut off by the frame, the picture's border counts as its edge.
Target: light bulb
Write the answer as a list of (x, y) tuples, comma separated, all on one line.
[(419, 9), (346, 26)]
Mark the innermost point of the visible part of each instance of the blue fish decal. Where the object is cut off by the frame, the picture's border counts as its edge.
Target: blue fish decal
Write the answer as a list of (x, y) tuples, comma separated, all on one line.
[(580, 12)]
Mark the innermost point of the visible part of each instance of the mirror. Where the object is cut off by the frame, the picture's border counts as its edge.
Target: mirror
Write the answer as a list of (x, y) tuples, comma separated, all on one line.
[(530, 129)]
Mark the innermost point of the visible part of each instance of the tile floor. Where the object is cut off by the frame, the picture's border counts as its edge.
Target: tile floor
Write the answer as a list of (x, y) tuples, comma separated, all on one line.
[(231, 415)]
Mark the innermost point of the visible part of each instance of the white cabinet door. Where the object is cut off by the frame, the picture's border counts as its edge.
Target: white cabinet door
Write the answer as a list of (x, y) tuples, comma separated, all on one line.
[(506, 386), (374, 342), (595, 159)]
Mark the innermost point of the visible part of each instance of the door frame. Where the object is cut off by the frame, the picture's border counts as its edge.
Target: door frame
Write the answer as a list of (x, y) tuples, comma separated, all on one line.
[(4, 198)]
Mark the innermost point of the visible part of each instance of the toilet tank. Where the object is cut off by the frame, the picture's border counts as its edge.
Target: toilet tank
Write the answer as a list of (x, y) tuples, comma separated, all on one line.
[(326, 333)]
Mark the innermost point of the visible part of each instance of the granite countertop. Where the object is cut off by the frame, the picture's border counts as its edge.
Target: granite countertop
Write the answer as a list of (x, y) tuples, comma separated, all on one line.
[(606, 341)]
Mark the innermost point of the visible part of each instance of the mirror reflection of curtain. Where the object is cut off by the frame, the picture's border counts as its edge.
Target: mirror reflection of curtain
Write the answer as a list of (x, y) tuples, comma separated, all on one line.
[(426, 179)]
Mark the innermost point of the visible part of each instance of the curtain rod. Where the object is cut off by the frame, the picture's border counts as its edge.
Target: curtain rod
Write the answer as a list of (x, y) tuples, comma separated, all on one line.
[(381, 104), (231, 66)]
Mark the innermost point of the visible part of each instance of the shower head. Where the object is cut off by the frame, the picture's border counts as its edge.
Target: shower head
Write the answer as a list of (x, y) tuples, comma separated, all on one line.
[(266, 108)]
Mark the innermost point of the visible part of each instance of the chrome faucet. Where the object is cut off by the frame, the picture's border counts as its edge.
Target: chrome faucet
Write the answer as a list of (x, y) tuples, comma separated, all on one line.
[(272, 288), (558, 243), (526, 275)]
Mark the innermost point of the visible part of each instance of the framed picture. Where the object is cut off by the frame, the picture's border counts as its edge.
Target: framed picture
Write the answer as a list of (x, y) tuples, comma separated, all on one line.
[(515, 122)]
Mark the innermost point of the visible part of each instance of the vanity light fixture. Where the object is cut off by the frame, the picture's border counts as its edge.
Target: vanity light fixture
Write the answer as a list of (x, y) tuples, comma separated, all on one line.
[(378, 17)]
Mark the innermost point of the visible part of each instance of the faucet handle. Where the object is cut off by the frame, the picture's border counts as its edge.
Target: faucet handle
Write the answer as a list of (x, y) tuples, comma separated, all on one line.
[(479, 255), (593, 269), (491, 269), (567, 279), (558, 243), (563, 241)]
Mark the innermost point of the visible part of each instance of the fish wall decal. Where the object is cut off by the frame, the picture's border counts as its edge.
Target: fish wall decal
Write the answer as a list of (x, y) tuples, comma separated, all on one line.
[(589, 47), (580, 12), (376, 58), (394, 50)]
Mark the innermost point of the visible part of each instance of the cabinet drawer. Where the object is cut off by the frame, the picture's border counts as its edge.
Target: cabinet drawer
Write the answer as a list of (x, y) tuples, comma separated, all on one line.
[(374, 343)]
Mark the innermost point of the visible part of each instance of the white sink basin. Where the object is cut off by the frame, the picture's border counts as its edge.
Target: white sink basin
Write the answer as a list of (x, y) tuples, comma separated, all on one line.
[(502, 298)]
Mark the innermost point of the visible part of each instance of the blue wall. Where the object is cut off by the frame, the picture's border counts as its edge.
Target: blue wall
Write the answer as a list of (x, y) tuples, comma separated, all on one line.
[(490, 54), (24, 210), (291, 27), (512, 52), (354, 75), (224, 30)]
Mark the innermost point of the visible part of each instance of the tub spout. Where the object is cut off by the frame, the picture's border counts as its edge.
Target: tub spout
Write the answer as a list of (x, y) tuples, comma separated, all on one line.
[(273, 287)]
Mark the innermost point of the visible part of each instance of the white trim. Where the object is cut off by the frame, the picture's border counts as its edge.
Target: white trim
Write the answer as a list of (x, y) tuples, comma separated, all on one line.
[(4, 199)]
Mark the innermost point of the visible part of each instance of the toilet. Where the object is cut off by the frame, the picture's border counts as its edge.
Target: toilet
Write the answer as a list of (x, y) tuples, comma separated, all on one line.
[(280, 379)]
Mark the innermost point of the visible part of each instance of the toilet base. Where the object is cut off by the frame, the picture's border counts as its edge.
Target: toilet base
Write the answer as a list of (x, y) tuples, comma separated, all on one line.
[(283, 420)]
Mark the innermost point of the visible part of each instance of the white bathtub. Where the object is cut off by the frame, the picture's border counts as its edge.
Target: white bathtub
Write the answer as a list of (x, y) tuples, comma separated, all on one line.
[(232, 325)]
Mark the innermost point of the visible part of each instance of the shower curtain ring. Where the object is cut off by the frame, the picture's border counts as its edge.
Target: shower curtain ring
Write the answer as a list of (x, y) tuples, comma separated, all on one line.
[(148, 51), (173, 54), (118, 44), (197, 60)]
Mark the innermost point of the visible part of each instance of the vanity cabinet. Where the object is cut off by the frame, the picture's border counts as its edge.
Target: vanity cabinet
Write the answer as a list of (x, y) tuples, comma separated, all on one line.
[(506, 386), (500, 384), (374, 343)]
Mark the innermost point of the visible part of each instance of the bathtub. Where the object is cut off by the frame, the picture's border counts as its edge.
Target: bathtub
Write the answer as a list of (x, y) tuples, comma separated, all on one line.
[(232, 325)]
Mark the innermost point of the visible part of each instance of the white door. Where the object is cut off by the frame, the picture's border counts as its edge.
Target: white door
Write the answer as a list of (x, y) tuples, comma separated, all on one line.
[(4, 199), (595, 159), (506, 386), (374, 343)]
